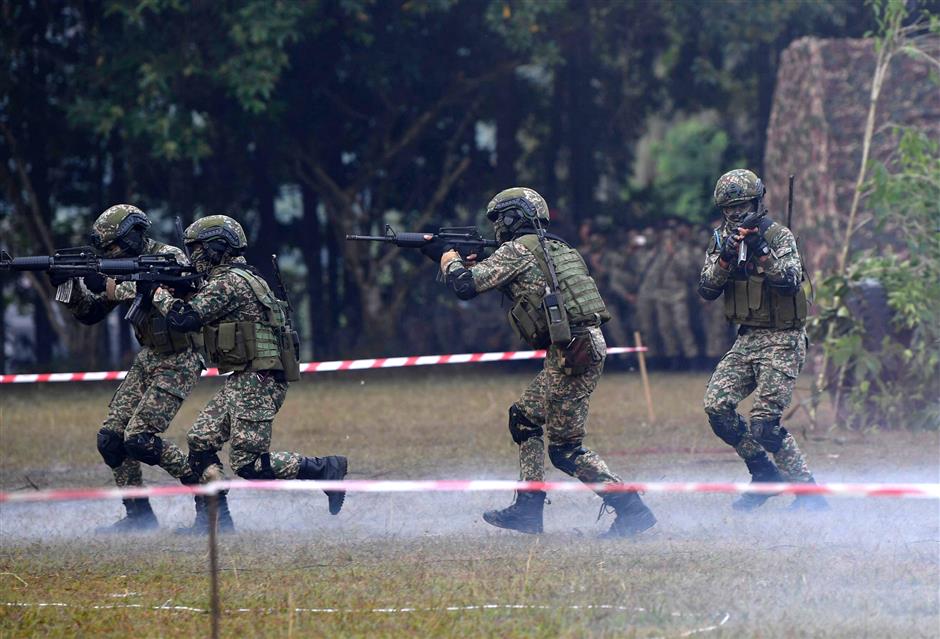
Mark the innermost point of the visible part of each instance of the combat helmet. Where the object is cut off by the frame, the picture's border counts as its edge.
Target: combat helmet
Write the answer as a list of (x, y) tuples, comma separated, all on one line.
[(512, 209), (219, 228), (122, 224), (738, 186), (219, 236)]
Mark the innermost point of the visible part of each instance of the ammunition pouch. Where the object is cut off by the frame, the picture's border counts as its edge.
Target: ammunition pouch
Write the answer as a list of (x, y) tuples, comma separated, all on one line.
[(751, 301), (269, 345), (155, 334), (529, 321), (243, 346)]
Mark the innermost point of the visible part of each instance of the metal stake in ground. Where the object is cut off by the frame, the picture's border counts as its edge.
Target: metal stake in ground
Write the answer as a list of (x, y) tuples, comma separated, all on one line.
[(641, 355), (213, 503)]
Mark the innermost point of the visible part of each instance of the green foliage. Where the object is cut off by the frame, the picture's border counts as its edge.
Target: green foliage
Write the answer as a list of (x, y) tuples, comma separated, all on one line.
[(688, 160), (895, 381)]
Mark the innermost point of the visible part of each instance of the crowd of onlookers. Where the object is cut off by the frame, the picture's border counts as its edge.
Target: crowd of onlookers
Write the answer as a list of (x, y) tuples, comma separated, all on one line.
[(648, 278)]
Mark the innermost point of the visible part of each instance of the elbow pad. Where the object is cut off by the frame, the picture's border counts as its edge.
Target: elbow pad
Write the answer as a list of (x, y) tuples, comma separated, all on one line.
[(788, 284), (460, 281), (183, 318)]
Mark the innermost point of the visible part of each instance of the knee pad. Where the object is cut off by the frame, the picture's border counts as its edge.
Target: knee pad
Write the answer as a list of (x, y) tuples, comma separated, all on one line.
[(564, 456), (521, 427), (730, 428), (248, 470), (145, 448), (769, 433), (199, 460), (111, 447)]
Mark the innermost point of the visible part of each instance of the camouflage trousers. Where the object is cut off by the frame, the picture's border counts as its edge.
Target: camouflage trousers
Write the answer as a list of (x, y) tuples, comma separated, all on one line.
[(146, 402), (242, 413), (555, 405), (673, 314), (767, 362)]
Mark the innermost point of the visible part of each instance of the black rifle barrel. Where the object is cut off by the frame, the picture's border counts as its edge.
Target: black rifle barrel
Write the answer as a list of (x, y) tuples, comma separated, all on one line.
[(370, 238)]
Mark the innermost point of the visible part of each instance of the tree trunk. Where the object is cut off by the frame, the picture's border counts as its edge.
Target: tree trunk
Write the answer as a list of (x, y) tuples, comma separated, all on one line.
[(312, 241)]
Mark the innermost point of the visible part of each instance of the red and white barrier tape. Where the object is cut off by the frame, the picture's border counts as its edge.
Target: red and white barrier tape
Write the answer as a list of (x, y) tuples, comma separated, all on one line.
[(321, 367), (928, 491)]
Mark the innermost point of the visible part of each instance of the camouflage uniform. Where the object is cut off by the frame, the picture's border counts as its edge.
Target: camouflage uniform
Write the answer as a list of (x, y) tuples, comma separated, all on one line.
[(763, 359), (156, 384), (556, 402), (652, 264), (243, 410), (672, 301)]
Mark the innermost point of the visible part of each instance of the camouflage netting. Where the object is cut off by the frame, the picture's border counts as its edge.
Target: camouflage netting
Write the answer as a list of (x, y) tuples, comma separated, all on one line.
[(816, 128)]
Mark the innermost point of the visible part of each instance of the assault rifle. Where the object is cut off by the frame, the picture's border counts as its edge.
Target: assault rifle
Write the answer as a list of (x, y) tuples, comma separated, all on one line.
[(466, 240), (148, 271), (752, 220), (749, 222)]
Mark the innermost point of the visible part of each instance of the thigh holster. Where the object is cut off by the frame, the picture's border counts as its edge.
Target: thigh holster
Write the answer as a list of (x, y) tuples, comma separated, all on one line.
[(521, 427)]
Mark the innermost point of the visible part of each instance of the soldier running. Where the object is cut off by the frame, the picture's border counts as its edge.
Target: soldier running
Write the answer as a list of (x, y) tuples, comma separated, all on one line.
[(246, 332), (161, 377), (556, 402)]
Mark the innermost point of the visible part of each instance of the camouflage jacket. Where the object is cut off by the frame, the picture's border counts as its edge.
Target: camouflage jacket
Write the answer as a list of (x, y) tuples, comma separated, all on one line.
[(93, 307), (223, 297), (783, 268), (512, 269)]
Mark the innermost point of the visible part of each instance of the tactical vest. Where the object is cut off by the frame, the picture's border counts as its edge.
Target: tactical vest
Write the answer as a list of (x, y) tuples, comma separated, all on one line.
[(751, 301), (157, 336), (583, 303), (268, 345)]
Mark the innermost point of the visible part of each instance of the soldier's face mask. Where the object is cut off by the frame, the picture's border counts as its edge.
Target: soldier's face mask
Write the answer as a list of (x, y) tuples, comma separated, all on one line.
[(737, 212), (199, 258)]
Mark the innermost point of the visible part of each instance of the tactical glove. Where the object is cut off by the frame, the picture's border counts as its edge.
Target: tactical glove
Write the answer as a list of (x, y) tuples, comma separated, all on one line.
[(729, 249), (434, 250), (57, 279), (756, 244), (95, 282)]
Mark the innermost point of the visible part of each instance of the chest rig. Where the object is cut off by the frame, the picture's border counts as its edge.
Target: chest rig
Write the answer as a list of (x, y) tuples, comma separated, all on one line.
[(154, 333), (267, 345), (751, 301), (583, 304)]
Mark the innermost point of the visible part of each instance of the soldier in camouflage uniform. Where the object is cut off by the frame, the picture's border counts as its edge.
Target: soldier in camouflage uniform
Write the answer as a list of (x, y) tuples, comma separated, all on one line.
[(161, 377), (672, 301), (246, 332), (763, 295), (556, 402)]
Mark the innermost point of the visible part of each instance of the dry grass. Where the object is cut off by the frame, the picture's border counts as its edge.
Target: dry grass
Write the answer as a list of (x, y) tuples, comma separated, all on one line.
[(867, 568)]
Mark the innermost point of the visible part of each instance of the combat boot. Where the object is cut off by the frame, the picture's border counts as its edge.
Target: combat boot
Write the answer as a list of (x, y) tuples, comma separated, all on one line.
[(140, 518), (333, 468), (762, 471), (811, 503), (524, 514), (201, 522), (633, 516)]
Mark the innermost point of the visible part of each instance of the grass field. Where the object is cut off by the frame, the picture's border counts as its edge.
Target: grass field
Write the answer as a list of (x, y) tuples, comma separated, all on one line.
[(427, 565)]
